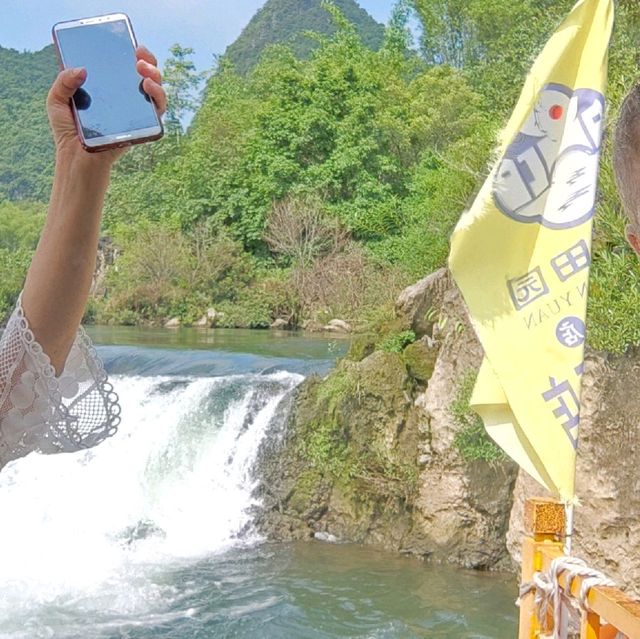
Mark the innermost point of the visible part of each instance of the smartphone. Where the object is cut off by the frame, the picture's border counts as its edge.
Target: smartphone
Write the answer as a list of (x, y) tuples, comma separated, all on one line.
[(111, 109)]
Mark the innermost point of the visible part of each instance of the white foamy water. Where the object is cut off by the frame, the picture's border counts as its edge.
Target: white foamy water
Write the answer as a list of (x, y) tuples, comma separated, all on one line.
[(92, 531)]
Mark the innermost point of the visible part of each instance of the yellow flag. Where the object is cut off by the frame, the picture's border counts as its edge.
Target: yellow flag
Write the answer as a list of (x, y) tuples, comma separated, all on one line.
[(521, 254)]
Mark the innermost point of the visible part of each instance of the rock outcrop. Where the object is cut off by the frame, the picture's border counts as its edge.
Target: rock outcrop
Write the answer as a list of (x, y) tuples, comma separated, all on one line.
[(419, 305), (607, 517), (209, 319), (280, 324), (337, 326), (463, 504), (368, 454)]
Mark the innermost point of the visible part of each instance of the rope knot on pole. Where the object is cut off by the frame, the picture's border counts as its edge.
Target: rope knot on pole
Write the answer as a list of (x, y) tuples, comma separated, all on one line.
[(549, 597)]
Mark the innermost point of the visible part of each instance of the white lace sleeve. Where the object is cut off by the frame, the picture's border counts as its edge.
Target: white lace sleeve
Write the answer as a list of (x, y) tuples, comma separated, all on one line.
[(49, 414)]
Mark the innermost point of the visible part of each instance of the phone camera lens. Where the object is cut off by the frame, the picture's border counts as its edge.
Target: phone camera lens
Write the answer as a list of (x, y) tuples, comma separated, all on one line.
[(82, 100)]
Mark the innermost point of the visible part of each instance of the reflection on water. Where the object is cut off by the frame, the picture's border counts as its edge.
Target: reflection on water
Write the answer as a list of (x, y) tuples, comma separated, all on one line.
[(290, 344), (214, 352)]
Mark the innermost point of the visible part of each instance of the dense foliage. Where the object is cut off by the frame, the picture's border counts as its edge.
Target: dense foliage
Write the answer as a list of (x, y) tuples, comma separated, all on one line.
[(20, 226), (26, 152), (377, 140), (308, 189)]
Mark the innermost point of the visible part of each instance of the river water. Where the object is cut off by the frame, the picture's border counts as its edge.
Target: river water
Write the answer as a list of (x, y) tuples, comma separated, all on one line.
[(150, 535)]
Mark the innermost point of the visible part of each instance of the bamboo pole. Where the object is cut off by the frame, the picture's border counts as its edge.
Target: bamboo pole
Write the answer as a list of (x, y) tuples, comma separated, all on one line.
[(544, 523), (590, 626), (544, 541)]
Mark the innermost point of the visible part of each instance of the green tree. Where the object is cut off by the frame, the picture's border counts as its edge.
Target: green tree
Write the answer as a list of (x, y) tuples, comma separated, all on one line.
[(181, 82), (493, 41), (26, 152), (20, 225)]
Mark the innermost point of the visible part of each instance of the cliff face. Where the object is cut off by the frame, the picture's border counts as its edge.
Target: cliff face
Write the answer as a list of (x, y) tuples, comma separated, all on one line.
[(368, 453), (607, 517), (407, 487)]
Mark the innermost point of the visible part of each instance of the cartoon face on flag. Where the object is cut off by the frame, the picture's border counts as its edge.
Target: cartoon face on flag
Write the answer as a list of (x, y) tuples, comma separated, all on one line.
[(521, 254), (548, 174)]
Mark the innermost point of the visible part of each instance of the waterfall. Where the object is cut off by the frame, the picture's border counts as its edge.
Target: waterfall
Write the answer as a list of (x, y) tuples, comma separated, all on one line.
[(173, 486)]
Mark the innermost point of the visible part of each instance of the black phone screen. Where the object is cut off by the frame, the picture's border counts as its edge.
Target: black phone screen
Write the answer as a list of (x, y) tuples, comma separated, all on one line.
[(110, 102)]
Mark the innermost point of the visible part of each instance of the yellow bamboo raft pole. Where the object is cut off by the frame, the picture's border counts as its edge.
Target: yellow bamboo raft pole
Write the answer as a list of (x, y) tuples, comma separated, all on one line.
[(545, 523)]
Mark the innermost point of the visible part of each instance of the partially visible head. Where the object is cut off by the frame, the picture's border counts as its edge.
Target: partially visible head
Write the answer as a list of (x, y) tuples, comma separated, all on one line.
[(626, 163)]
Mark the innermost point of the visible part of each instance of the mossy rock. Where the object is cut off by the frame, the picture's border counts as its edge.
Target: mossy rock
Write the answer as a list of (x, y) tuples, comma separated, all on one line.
[(348, 464), (420, 358), (307, 494), (392, 327), (351, 412), (361, 347), (382, 374)]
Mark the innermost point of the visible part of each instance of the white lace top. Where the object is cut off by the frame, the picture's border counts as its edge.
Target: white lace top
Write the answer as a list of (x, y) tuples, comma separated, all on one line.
[(49, 414)]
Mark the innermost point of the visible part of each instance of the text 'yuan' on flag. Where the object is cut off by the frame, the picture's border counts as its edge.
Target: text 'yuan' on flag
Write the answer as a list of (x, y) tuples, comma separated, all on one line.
[(521, 254)]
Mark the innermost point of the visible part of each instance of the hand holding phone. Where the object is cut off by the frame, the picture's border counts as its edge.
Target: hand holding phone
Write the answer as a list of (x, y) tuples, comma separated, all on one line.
[(117, 97)]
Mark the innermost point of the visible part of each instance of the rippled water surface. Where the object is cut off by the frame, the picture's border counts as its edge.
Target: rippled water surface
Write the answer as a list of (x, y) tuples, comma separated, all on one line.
[(313, 591), (150, 534)]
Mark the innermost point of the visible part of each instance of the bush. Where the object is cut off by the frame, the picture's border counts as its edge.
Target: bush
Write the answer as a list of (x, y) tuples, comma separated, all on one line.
[(301, 230), (221, 270), (13, 266), (396, 342), (149, 276), (268, 298), (472, 440), (20, 225), (346, 285), (162, 272)]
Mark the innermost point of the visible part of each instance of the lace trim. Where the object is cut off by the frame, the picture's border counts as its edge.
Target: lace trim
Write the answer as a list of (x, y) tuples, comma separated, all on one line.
[(112, 406), (88, 418)]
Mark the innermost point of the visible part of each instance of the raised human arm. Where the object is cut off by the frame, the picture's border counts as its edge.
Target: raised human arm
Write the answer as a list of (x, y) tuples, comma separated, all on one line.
[(58, 282), (55, 396)]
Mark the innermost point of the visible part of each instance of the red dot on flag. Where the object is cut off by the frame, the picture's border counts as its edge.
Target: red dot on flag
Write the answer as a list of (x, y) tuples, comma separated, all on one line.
[(556, 112)]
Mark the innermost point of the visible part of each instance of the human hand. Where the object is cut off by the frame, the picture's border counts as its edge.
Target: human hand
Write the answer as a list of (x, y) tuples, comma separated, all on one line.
[(65, 135)]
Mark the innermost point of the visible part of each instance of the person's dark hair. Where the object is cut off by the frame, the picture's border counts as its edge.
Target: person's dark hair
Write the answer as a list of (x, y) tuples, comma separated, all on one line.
[(626, 156)]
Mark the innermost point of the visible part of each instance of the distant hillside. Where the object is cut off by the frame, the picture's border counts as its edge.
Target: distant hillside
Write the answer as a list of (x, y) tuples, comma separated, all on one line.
[(286, 21), (26, 152)]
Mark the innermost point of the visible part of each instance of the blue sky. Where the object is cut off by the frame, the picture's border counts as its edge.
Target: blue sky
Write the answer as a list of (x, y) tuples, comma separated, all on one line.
[(208, 26)]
